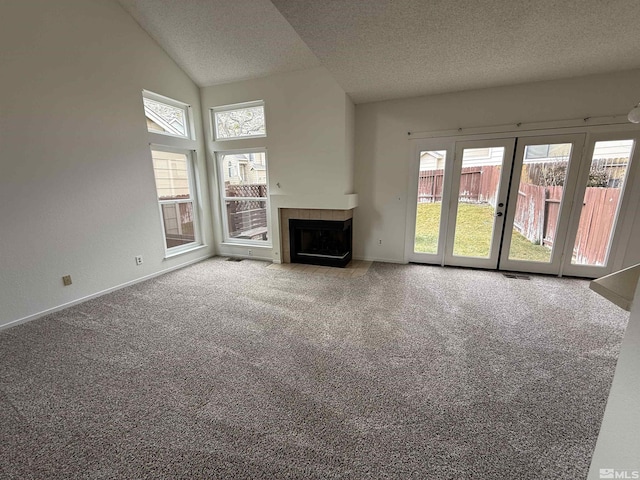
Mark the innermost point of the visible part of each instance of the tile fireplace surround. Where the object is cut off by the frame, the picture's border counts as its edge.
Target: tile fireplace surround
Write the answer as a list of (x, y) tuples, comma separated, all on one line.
[(305, 214)]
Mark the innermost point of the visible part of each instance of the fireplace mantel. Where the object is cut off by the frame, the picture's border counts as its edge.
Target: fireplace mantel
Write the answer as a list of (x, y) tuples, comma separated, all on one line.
[(323, 202)]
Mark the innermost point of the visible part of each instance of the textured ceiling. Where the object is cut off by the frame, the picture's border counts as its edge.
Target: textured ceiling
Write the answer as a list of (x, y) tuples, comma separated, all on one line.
[(380, 49), (383, 49), (217, 41)]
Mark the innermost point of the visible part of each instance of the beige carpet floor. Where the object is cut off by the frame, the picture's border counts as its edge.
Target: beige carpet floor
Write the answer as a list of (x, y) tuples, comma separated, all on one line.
[(235, 370)]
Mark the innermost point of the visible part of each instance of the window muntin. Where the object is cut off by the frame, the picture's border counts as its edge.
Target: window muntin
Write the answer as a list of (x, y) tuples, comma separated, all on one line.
[(166, 116), (243, 191), (175, 187), (244, 120)]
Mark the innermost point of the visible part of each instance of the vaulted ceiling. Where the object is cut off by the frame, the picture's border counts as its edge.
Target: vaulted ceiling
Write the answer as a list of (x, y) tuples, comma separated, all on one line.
[(383, 49)]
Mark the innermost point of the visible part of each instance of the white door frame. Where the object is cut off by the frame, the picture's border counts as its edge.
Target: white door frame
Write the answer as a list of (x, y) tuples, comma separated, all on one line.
[(419, 146), (491, 261), (566, 204), (629, 203), (446, 140)]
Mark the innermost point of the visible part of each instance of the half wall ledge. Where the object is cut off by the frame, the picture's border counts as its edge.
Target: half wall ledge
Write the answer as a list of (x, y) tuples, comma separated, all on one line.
[(618, 287)]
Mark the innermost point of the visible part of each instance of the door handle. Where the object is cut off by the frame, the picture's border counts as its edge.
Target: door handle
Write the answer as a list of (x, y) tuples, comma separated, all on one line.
[(499, 214)]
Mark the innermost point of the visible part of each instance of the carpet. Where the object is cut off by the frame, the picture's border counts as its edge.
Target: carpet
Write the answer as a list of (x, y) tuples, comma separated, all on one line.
[(234, 370)]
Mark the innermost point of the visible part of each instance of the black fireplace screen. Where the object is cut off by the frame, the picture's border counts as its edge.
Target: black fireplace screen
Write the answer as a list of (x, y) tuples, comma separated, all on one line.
[(320, 242)]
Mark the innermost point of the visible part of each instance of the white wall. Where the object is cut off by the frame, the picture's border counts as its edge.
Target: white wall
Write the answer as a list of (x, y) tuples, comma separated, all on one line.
[(309, 139), (383, 146), (77, 192), (618, 441), (632, 255)]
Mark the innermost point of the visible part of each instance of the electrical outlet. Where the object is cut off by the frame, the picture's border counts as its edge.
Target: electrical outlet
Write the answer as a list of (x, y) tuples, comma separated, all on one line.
[(250, 253), (66, 280), (138, 259)]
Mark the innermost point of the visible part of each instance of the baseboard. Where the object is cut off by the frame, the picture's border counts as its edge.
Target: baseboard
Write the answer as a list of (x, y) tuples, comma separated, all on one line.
[(35, 316), (248, 257), (382, 260)]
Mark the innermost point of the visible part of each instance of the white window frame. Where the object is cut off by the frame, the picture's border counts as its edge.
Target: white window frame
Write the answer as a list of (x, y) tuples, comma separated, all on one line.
[(220, 166), (618, 241), (186, 108), (236, 106), (192, 178)]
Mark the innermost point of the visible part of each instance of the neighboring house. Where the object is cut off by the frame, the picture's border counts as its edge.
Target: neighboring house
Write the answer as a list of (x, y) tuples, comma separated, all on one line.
[(432, 160), (246, 169)]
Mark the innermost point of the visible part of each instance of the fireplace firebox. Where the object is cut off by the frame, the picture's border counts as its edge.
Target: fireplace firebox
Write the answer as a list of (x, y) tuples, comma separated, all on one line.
[(320, 242)]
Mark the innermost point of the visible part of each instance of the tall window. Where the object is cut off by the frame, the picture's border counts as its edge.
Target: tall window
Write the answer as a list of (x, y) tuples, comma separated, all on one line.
[(602, 200), (166, 116), (174, 175), (242, 120), (244, 196)]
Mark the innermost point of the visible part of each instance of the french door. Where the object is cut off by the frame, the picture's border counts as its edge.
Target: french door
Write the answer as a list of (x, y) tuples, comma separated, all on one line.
[(479, 188), (541, 204), (543, 182)]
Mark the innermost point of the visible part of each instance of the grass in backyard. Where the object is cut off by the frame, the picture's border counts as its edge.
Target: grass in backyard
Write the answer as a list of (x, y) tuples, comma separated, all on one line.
[(474, 227), (473, 233), (523, 249), (427, 227)]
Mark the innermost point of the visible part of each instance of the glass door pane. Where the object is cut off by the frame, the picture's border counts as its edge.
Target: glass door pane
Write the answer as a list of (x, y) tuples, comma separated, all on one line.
[(601, 203), (429, 205), (544, 176), (540, 193), (479, 187), (477, 200)]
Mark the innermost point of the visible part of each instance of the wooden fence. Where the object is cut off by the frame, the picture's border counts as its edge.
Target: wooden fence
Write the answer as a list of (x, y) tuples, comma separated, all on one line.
[(252, 190), (537, 212), (596, 224), (430, 186), (477, 185), (537, 209), (247, 218)]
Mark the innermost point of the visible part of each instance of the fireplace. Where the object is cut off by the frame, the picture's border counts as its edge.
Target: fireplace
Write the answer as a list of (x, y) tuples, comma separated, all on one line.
[(320, 242)]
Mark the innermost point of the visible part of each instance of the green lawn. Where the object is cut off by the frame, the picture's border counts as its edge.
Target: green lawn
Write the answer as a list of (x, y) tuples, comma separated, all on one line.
[(473, 233)]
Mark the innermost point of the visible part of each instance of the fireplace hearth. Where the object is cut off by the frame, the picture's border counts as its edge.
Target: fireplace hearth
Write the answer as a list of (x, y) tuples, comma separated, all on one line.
[(321, 242)]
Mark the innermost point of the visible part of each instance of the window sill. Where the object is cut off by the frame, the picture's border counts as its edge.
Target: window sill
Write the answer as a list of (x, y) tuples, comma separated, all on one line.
[(182, 252), (246, 244)]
